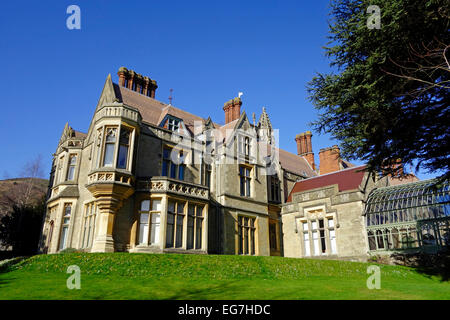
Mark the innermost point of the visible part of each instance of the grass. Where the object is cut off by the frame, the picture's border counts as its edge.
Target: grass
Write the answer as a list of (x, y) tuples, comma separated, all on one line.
[(174, 276)]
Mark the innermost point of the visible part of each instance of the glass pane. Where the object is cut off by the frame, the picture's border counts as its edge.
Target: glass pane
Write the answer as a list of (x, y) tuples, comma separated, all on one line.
[(315, 235), (155, 228), (156, 205), (199, 212), (181, 172), (165, 167), (145, 205), (123, 156), (305, 226), (333, 241), (198, 234), (63, 239), (314, 225), (179, 233), (171, 206), (191, 210), (71, 172), (330, 223), (144, 218), (306, 244), (173, 170), (180, 207), (143, 233), (109, 155)]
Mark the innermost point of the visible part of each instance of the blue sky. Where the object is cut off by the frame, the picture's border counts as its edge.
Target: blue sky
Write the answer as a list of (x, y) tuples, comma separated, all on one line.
[(207, 51)]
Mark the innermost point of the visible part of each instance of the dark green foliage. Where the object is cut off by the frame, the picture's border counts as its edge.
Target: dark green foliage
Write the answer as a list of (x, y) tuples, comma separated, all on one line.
[(21, 228), (389, 97)]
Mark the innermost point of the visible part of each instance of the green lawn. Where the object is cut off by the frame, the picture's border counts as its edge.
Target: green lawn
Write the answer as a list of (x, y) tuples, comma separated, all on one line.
[(174, 276)]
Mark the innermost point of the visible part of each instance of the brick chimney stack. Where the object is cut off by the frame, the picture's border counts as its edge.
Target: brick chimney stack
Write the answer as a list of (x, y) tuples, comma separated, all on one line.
[(232, 109), (137, 82), (330, 159), (304, 147)]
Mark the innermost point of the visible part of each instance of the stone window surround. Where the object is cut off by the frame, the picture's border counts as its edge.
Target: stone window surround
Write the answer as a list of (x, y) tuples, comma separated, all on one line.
[(318, 212), (92, 216), (101, 145), (255, 238), (249, 179), (178, 149)]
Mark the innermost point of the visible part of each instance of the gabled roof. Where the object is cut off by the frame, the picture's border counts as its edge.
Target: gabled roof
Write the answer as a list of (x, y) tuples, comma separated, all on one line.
[(154, 111), (347, 179)]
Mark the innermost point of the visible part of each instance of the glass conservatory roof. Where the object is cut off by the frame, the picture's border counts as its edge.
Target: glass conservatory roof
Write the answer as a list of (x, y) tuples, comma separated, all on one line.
[(418, 200)]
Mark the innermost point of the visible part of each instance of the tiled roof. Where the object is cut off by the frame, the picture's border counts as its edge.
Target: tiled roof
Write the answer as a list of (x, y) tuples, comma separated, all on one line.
[(347, 179), (295, 164), (154, 111)]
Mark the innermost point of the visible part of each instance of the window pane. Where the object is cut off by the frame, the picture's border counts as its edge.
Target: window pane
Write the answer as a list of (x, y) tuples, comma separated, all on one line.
[(190, 230), (314, 225), (123, 156), (179, 234), (333, 241), (180, 207), (169, 231), (173, 170), (181, 172), (330, 223), (144, 218), (315, 235), (109, 155), (156, 205), (63, 240), (165, 167), (305, 226), (306, 244), (198, 234), (155, 228), (143, 232), (145, 205), (71, 172)]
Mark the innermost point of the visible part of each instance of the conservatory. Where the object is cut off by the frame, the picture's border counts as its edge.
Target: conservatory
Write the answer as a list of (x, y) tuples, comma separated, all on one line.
[(409, 217)]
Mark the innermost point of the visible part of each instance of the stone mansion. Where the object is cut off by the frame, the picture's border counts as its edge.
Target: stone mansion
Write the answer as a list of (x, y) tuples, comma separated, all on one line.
[(150, 177)]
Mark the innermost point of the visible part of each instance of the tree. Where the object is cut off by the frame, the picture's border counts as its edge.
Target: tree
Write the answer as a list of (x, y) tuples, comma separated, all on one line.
[(389, 96), (22, 209), (21, 228)]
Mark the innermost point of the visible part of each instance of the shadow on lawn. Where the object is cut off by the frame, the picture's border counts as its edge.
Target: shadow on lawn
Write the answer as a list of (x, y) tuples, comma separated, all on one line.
[(429, 265), (219, 290)]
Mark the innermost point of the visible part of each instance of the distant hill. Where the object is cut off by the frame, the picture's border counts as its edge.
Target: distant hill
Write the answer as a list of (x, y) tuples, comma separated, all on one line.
[(13, 190)]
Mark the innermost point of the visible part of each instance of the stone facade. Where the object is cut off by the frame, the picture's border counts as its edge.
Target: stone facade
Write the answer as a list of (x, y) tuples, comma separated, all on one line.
[(150, 177)]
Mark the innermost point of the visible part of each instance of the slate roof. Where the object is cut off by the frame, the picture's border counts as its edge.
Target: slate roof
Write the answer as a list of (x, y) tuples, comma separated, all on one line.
[(154, 111)]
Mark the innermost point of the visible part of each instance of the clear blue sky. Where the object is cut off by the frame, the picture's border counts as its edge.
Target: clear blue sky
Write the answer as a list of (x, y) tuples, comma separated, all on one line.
[(207, 51)]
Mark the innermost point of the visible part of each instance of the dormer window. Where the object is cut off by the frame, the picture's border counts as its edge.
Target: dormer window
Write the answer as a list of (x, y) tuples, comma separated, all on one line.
[(173, 124)]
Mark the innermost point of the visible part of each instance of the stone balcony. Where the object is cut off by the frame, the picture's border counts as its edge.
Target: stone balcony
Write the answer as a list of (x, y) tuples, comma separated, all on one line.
[(168, 185), (118, 110), (104, 182)]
